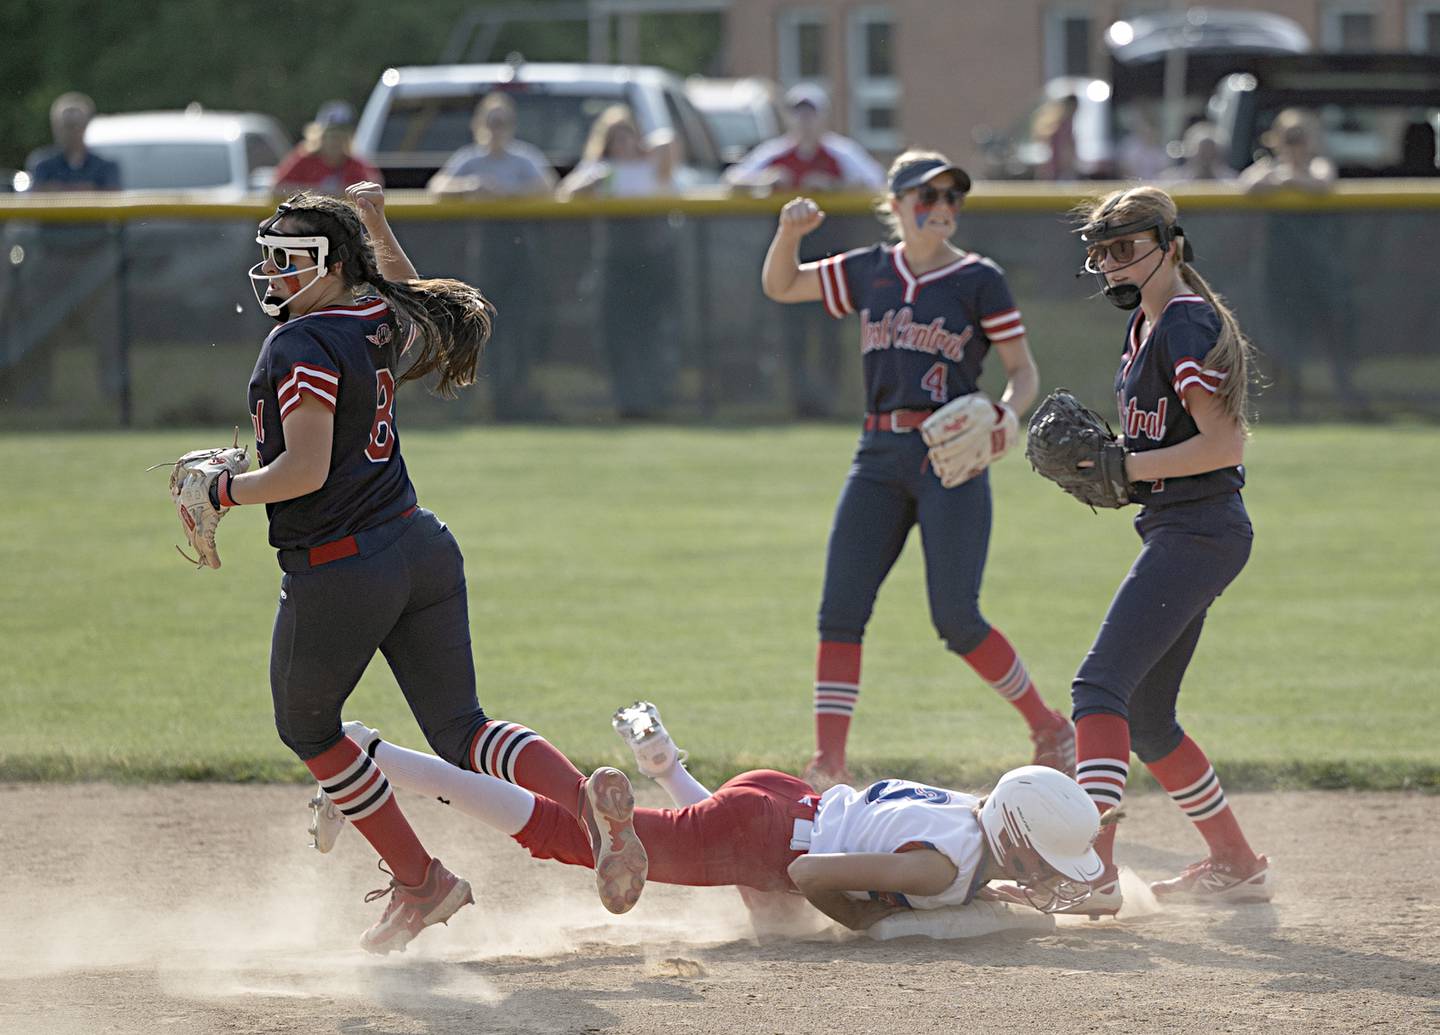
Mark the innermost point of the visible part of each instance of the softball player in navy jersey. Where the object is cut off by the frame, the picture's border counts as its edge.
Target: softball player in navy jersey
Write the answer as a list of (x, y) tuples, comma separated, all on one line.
[(365, 568), (1181, 390), (929, 314)]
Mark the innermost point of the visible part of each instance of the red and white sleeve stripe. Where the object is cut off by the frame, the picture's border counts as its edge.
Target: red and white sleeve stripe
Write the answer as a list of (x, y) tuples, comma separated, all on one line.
[(834, 292), (1188, 372), (321, 383), (1002, 326)]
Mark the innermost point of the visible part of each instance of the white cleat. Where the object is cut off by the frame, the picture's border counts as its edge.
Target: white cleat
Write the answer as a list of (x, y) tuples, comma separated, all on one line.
[(326, 822), (639, 726)]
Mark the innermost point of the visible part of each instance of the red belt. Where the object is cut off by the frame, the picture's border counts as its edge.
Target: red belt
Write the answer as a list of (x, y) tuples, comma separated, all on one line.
[(339, 549), (896, 420)]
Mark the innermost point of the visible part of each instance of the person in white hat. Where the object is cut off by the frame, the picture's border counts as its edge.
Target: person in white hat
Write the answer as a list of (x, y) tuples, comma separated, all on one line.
[(808, 157)]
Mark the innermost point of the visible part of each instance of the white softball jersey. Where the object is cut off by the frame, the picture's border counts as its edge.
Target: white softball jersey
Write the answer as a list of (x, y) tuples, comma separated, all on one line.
[(896, 815)]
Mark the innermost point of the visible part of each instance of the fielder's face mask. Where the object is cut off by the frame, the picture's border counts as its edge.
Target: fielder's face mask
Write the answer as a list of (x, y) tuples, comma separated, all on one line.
[(282, 252), (1120, 245)]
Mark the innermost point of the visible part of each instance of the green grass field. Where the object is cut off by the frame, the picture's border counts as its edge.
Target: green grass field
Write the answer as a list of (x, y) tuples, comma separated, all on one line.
[(684, 566)]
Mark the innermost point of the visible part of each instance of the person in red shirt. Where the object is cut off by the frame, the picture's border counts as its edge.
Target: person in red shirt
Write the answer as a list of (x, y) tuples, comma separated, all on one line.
[(322, 162)]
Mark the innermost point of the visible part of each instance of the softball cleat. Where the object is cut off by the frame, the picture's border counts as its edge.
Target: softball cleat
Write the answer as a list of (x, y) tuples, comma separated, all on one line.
[(326, 822), (410, 910), (1055, 745), (607, 814), (1211, 880), (639, 727), (1104, 899)]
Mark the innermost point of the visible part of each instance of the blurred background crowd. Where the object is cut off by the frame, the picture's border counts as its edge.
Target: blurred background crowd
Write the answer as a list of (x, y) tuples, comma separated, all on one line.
[(556, 102)]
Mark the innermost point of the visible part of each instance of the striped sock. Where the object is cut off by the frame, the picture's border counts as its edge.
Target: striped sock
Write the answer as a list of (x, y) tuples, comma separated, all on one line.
[(837, 689), (519, 755), (996, 662), (352, 780), (1102, 769), (1192, 784)]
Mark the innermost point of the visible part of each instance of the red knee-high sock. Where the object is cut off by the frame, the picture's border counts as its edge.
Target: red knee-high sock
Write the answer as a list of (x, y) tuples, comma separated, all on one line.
[(1192, 784), (837, 688), (518, 755), (996, 662), (360, 791), (1102, 768)]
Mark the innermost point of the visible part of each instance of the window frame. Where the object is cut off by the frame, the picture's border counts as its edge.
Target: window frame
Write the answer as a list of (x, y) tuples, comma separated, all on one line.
[(1331, 18), (867, 91), (1053, 42)]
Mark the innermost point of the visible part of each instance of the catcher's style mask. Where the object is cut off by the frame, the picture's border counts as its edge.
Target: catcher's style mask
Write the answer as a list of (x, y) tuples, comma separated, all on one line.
[(1102, 228), (281, 251), (1041, 828)]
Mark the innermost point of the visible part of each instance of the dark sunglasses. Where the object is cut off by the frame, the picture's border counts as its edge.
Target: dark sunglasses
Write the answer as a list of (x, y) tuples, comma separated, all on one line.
[(1121, 252), (930, 196)]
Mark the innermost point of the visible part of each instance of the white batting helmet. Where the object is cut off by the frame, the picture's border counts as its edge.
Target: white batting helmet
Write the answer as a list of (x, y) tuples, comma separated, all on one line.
[(1038, 815)]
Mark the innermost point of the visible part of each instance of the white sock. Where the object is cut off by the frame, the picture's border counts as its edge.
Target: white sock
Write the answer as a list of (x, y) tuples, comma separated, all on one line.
[(496, 803), (683, 788)]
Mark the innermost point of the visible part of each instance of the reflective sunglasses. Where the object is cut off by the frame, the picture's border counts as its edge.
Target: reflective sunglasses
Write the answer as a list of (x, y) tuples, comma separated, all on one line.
[(930, 196), (1121, 252)]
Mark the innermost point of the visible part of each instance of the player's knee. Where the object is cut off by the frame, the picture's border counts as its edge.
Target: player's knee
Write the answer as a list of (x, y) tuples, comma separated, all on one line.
[(453, 740), (1087, 698), (1153, 741), (842, 628), (962, 631)]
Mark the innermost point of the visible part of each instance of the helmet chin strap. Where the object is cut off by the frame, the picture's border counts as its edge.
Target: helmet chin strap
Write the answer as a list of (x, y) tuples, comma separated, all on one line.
[(1127, 296)]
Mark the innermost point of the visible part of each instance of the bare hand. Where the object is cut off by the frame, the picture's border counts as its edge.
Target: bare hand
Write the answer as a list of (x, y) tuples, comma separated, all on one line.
[(369, 198), (801, 215)]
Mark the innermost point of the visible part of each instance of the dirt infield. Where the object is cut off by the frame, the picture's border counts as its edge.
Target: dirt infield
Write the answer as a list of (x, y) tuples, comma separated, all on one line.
[(198, 908)]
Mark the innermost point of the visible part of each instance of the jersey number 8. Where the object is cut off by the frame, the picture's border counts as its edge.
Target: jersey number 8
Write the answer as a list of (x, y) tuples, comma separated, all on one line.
[(382, 432)]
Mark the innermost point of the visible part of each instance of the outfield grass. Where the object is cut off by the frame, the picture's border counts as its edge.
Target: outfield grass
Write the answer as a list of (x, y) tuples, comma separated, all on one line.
[(684, 565)]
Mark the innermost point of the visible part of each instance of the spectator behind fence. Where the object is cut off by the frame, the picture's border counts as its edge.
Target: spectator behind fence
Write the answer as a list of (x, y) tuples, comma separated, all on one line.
[(69, 164), (1306, 276), (1054, 126), (618, 162), (496, 164), (322, 161), (1201, 147), (1295, 161), (808, 157)]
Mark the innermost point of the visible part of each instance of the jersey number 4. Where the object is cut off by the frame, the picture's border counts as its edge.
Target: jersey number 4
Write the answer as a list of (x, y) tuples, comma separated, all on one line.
[(382, 432), (934, 382)]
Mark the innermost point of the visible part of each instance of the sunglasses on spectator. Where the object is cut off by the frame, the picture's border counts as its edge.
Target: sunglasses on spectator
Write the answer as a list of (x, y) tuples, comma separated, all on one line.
[(929, 196), (1120, 252)]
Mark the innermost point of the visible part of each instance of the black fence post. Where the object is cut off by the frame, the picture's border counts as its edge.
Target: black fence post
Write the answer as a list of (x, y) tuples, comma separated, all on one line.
[(122, 324)]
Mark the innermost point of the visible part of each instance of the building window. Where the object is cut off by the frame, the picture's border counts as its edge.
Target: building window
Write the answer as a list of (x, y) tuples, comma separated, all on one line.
[(802, 46), (1349, 26), (1422, 28), (874, 88), (1067, 42)]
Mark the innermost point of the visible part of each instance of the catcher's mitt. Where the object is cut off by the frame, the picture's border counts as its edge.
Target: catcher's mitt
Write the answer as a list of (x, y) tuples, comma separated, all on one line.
[(1063, 434), (967, 435), (191, 479)]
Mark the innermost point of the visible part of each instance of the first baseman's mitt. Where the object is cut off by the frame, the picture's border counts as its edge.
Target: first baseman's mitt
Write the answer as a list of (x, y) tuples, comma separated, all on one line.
[(1063, 434), (967, 435), (191, 479)]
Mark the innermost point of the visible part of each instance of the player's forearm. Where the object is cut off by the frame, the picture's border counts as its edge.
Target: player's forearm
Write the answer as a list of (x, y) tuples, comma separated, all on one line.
[(389, 256), (286, 478), (1023, 386), (856, 914), (782, 265), (1197, 455)]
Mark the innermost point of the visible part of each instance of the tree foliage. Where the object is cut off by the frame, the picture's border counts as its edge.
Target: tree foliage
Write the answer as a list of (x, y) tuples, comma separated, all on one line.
[(282, 57)]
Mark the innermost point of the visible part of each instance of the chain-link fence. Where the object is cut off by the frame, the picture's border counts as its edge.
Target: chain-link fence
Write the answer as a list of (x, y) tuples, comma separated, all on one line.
[(146, 320)]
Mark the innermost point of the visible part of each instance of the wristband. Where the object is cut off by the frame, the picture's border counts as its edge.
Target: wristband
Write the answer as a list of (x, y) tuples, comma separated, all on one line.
[(220, 497)]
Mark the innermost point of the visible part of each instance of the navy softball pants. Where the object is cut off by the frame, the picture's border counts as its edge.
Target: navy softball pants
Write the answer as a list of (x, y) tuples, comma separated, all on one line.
[(403, 594), (889, 489), (1191, 552)]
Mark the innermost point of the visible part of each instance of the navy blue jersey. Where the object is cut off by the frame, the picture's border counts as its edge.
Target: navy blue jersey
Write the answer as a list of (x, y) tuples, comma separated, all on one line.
[(923, 338), (347, 357), (1150, 389)]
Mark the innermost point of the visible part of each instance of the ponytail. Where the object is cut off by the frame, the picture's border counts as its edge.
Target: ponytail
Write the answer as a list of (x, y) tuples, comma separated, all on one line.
[(1232, 353), (453, 322)]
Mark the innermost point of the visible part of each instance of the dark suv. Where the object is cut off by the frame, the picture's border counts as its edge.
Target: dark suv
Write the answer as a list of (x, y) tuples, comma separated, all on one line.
[(1378, 113)]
